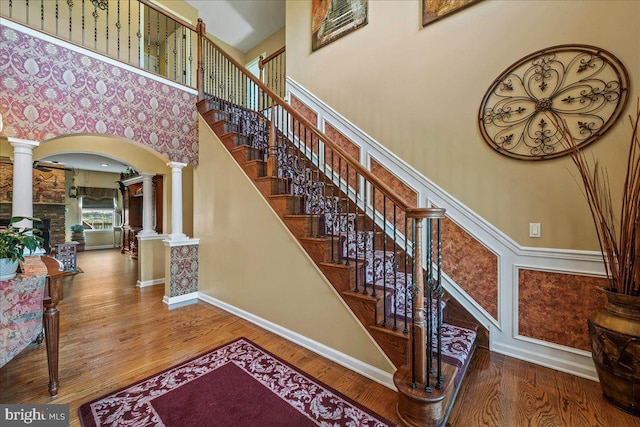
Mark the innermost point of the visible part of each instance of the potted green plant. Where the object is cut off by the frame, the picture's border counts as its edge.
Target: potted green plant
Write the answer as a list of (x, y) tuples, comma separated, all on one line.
[(77, 235), (13, 244), (615, 330)]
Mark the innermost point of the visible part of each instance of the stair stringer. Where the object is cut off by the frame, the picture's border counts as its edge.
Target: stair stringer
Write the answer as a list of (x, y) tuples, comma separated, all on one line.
[(220, 183)]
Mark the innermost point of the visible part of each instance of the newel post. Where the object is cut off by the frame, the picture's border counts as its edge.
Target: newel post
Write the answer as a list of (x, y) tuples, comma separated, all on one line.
[(201, 31), (421, 397), (419, 364)]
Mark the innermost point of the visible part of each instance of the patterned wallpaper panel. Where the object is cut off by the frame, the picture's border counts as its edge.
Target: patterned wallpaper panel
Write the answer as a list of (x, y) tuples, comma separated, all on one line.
[(471, 265), (554, 307), (347, 145), (184, 270), (49, 90)]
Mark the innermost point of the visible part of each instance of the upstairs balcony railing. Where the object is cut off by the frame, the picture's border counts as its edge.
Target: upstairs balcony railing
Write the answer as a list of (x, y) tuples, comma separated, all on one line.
[(135, 32)]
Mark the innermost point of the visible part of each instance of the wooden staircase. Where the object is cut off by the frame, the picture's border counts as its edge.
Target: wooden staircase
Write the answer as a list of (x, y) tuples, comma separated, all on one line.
[(339, 255)]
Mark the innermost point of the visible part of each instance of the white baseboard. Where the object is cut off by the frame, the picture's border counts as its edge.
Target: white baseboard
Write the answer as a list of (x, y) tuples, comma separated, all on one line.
[(349, 362), (153, 282), (181, 300), (569, 360), (93, 248)]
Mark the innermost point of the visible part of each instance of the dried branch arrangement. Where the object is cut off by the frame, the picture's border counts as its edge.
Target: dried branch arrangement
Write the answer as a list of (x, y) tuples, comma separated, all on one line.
[(619, 239)]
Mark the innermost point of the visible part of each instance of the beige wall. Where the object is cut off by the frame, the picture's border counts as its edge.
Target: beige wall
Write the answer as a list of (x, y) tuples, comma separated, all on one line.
[(247, 258), (418, 90), (272, 43), (151, 260)]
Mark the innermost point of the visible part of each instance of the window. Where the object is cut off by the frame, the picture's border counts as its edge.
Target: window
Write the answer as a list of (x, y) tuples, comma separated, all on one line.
[(98, 214)]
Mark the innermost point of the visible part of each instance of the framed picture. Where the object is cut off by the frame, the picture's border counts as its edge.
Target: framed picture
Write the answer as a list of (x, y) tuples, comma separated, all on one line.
[(332, 19), (432, 10)]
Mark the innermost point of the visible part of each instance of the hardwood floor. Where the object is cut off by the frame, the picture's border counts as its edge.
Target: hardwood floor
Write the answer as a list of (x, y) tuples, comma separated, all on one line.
[(113, 334)]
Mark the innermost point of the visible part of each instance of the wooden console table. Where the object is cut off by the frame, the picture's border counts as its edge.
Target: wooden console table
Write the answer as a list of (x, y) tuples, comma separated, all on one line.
[(51, 318)]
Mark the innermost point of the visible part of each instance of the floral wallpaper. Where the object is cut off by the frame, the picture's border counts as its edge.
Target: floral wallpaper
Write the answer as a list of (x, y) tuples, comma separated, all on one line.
[(184, 270), (49, 91)]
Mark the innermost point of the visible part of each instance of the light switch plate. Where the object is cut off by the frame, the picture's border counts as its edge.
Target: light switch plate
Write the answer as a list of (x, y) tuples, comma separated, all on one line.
[(534, 229)]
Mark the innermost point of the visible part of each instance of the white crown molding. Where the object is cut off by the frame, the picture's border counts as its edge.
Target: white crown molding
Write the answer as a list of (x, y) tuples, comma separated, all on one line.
[(349, 362)]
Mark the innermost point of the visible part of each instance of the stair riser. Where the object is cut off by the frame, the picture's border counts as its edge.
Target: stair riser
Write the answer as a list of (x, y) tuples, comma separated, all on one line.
[(231, 140), (245, 154), (271, 186), (320, 250), (286, 205), (341, 276), (254, 169), (303, 226)]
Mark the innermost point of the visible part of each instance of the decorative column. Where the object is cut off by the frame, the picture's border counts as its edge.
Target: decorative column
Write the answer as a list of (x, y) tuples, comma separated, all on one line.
[(181, 252), (147, 205), (22, 180), (176, 201)]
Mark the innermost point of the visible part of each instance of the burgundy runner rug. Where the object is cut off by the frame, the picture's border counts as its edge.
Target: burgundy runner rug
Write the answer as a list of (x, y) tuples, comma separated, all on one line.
[(237, 384)]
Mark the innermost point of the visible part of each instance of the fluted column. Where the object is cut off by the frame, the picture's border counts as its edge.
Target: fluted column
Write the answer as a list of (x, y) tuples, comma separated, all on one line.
[(22, 202), (147, 205), (176, 201)]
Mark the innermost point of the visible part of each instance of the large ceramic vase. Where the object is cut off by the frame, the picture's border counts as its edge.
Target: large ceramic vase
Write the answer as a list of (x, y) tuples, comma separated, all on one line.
[(615, 345)]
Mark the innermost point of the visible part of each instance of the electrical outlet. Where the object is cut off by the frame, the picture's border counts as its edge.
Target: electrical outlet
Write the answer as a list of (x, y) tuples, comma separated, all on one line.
[(534, 229)]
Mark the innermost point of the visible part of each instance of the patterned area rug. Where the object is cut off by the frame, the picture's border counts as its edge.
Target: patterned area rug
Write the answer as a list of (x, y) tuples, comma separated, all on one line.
[(237, 384)]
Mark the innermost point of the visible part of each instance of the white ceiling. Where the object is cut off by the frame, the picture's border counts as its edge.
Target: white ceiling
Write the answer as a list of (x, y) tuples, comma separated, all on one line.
[(241, 23), (85, 161)]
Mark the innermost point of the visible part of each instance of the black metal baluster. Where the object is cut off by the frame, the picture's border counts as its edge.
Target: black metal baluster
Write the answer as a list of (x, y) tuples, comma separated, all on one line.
[(27, 11), (355, 230), (41, 15), (175, 57), (139, 35), (189, 71), (158, 43), (428, 284), (11, 8), (128, 31), (95, 27), (346, 214), (406, 271), (395, 268), (334, 214), (118, 26), (148, 62), (373, 238), (429, 289), (384, 261), (439, 306), (414, 293), (106, 28), (166, 47)]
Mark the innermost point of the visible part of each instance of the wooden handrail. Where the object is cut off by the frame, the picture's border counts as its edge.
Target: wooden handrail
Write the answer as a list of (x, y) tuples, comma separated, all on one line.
[(332, 145), (270, 57), (433, 213)]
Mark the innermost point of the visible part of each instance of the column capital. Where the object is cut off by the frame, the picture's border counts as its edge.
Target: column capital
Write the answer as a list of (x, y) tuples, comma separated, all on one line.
[(147, 174), (176, 165), (22, 145)]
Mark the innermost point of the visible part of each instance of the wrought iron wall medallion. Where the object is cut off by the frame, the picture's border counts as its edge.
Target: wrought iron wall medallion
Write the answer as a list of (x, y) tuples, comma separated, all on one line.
[(585, 86)]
